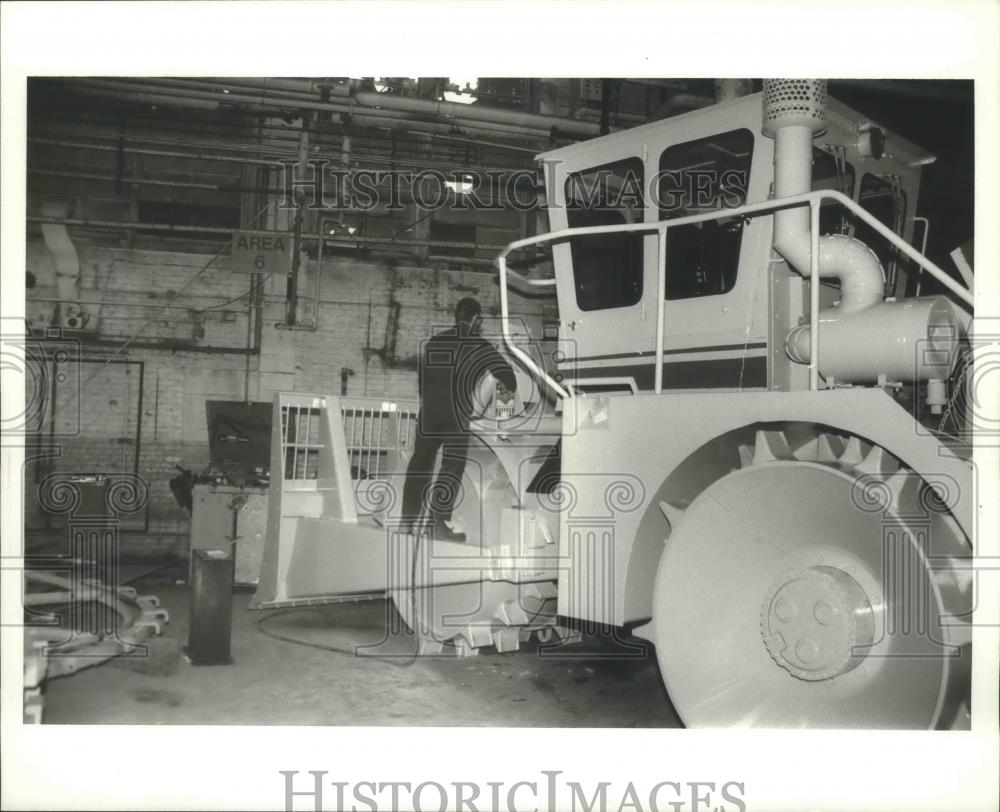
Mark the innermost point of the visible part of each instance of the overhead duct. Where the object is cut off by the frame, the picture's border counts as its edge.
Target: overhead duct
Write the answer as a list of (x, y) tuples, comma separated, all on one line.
[(727, 89), (863, 338), (69, 312)]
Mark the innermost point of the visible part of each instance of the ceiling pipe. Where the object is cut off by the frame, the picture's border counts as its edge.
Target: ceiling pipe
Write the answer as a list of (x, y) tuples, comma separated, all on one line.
[(680, 103), (310, 95), (370, 117), (144, 97), (311, 87), (454, 127), (478, 112), (228, 87)]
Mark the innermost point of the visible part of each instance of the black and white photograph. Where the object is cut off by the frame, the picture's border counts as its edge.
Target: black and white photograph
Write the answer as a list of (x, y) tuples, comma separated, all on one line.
[(615, 431)]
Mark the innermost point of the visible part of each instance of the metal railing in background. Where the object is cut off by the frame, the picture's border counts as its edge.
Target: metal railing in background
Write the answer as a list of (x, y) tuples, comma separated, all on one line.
[(812, 199), (378, 436)]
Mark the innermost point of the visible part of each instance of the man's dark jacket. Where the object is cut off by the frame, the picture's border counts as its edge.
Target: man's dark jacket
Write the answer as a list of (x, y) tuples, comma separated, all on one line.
[(451, 366)]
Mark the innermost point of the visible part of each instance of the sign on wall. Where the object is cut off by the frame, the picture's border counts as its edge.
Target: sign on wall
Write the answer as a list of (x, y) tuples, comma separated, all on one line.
[(258, 253)]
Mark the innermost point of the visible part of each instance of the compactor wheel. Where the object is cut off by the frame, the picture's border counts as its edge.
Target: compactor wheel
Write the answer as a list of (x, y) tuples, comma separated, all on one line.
[(819, 585), (462, 618)]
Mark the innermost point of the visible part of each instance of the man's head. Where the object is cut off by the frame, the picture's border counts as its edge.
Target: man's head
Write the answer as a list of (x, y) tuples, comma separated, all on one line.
[(467, 312)]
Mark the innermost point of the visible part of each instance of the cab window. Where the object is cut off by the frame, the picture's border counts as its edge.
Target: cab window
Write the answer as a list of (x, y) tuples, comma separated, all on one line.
[(607, 268), (701, 176)]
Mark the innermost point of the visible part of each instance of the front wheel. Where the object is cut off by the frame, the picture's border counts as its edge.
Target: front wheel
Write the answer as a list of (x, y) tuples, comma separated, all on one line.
[(820, 587)]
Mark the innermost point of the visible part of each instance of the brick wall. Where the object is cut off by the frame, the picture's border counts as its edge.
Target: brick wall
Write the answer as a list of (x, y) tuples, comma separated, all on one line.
[(371, 320)]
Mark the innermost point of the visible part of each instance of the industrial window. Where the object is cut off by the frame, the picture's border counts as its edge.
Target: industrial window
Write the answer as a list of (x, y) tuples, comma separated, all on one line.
[(189, 214), (453, 233), (696, 177), (607, 268)]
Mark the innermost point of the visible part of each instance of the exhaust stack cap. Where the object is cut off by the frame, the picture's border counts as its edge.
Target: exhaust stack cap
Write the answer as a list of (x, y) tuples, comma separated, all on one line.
[(794, 103)]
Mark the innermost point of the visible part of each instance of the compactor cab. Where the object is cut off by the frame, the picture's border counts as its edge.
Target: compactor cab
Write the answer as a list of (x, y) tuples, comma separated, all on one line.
[(729, 303)]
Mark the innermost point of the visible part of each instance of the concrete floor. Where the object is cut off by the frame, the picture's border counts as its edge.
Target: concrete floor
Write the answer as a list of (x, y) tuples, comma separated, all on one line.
[(598, 683)]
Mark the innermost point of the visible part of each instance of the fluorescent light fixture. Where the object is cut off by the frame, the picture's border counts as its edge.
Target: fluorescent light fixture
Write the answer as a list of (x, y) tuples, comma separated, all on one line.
[(460, 187), (462, 97)]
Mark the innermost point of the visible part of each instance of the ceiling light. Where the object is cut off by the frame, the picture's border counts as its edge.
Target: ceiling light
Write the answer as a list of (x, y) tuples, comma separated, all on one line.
[(458, 98), (460, 187)]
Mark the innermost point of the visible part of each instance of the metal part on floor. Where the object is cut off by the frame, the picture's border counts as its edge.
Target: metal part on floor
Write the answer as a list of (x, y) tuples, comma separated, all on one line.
[(122, 622)]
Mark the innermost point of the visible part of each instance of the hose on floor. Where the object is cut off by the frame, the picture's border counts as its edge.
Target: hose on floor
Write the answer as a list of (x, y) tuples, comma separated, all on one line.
[(262, 628)]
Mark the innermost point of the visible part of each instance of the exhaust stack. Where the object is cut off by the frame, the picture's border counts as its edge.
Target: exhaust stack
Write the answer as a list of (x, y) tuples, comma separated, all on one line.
[(794, 113), (863, 338)]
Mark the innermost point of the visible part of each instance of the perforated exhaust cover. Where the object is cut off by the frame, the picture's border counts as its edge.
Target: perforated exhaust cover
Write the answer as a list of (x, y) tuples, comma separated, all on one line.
[(794, 102)]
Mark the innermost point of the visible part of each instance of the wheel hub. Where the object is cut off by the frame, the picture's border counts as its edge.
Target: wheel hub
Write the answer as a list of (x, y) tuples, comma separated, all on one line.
[(812, 621)]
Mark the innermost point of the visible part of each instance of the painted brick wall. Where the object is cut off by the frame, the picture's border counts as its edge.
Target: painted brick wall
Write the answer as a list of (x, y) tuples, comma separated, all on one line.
[(169, 297)]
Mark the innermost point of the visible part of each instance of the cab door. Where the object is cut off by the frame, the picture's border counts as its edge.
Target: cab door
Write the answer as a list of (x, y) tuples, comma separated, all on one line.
[(602, 279)]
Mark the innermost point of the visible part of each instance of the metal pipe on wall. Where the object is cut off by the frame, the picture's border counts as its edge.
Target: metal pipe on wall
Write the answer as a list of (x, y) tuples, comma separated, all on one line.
[(275, 135), (201, 156), (293, 277), (212, 187), (169, 227), (278, 154)]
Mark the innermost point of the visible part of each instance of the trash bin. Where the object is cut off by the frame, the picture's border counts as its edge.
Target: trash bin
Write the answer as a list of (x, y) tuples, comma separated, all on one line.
[(211, 607)]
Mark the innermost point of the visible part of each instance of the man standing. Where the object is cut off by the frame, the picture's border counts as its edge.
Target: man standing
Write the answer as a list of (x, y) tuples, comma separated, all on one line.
[(451, 366)]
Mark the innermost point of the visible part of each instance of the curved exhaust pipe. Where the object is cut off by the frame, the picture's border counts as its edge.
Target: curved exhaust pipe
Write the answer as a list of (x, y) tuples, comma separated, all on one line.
[(864, 339), (794, 112)]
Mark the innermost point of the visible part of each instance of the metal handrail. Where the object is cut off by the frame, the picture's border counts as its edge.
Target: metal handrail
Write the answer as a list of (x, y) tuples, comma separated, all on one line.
[(812, 199)]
